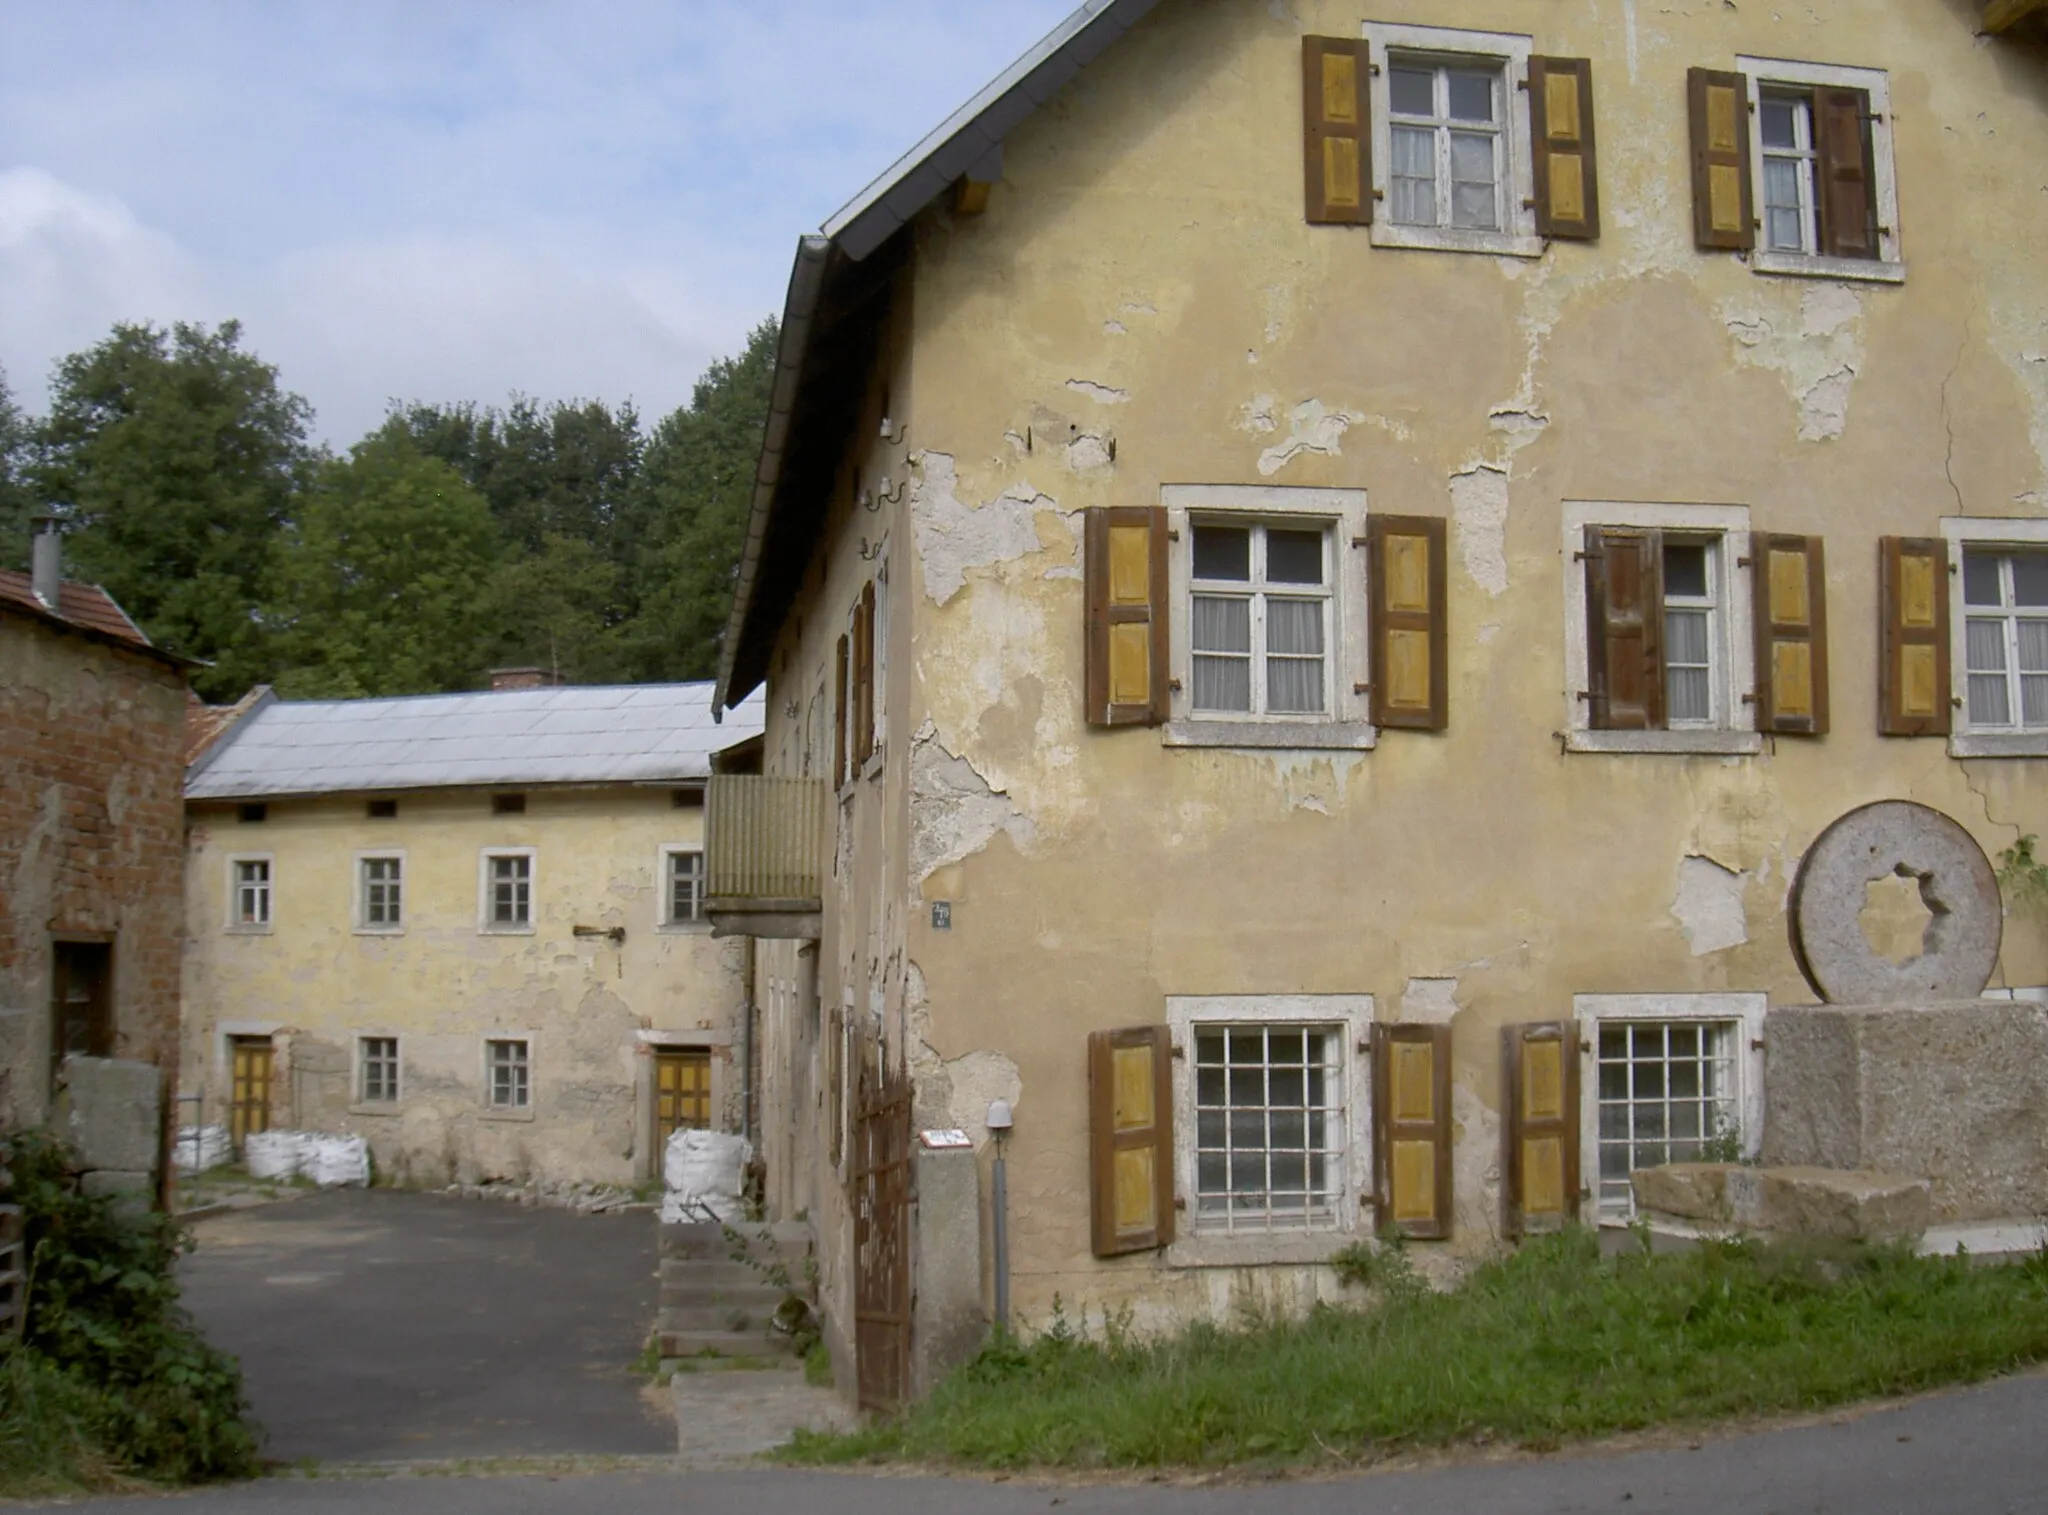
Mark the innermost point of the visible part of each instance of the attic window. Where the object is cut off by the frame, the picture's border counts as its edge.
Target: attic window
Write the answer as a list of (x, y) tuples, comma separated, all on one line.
[(508, 804), (689, 797), (250, 815), (383, 810)]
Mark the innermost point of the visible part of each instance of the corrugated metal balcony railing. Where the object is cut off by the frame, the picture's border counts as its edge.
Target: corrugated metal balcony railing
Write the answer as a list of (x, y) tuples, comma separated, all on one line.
[(763, 851)]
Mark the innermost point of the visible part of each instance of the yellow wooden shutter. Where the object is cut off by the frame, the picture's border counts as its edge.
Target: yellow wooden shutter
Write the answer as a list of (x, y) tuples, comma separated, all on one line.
[(1541, 1125), (1409, 629), (1721, 207), (1412, 1129), (1789, 587), (1126, 582), (1130, 1139), (1561, 128), (1336, 115), (1913, 678)]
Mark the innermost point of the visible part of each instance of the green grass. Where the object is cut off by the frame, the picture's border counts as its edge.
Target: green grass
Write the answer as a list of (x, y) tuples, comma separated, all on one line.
[(1549, 1344)]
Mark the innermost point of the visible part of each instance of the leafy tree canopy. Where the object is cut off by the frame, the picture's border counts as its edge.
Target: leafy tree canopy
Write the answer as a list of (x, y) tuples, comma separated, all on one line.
[(16, 499)]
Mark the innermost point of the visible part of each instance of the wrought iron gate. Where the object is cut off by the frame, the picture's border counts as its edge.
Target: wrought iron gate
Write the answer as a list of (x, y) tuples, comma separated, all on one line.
[(881, 1238)]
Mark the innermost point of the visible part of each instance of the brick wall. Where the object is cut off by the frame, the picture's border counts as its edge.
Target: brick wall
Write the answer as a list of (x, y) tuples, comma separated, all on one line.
[(91, 842)]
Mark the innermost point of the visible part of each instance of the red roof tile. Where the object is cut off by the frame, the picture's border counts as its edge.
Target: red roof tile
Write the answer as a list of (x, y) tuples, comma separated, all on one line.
[(86, 606)]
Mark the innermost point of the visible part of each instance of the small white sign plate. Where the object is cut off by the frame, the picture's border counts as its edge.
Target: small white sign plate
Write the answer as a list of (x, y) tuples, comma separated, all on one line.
[(953, 1138)]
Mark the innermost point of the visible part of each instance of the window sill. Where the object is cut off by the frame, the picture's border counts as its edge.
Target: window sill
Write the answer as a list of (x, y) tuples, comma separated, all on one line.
[(877, 760), (1342, 736), (1278, 1249), (504, 931), (1700, 743), (1803, 266), (379, 931), (245, 930), (684, 928), (1497, 244), (385, 1108), (512, 1115), (1998, 744)]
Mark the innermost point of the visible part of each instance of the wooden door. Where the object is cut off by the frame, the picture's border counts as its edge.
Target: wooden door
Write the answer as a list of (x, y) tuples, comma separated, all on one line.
[(682, 1093), (249, 1086), (82, 1020), (881, 1239)]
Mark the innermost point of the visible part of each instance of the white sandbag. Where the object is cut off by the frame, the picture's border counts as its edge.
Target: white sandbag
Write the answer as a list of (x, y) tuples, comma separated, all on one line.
[(274, 1154), (702, 1173), (334, 1162), (201, 1147)]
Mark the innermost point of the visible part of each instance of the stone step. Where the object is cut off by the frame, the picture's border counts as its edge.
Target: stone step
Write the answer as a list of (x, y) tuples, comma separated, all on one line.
[(689, 1294), (705, 1239), (704, 1270), (697, 1343)]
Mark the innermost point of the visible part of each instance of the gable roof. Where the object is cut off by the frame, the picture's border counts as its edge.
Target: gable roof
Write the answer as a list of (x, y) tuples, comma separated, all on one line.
[(830, 318), (85, 608), (574, 734)]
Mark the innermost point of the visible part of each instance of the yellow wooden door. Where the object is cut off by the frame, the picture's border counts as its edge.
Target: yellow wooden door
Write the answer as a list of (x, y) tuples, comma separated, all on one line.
[(249, 1093), (682, 1093)]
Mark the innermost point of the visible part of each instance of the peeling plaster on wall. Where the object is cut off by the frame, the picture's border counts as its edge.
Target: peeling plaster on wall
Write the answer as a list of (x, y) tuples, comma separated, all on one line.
[(1708, 906), (955, 1092), (1430, 1001), (1259, 414), (1115, 329), (1817, 348), (1487, 631), (953, 811), (1313, 428), (1479, 504), (1475, 1164), (1101, 394), (1088, 451), (952, 537)]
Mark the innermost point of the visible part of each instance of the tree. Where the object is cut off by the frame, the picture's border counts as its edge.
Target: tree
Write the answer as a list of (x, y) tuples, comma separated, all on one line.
[(689, 512), (552, 608), (17, 500), (173, 459), (384, 584)]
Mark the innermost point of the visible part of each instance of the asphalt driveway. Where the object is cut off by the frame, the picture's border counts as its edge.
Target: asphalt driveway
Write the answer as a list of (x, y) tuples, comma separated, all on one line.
[(375, 1326)]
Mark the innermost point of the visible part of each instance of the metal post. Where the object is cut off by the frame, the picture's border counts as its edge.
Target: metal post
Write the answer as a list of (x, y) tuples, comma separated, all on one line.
[(1002, 1240)]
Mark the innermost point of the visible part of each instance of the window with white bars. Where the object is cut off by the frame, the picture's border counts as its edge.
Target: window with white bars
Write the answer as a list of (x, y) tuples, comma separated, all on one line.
[(1667, 1092), (685, 887), (1693, 667), (509, 1069), (2005, 637), (1270, 1127), (508, 890), (249, 907), (1259, 619), (378, 1064), (1446, 126), (1791, 221), (383, 886)]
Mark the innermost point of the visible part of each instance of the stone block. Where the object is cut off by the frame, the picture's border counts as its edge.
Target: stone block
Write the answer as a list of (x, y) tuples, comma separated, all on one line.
[(111, 1111), (133, 1193), (1957, 1092), (1684, 1191), (948, 1323), (1785, 1202)]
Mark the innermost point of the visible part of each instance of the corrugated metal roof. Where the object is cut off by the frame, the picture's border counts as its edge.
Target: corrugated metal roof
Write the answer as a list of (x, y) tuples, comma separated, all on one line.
[(578, 734)]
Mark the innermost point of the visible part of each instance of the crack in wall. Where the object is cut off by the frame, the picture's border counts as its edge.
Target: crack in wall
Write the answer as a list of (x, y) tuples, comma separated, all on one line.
[(954, 811), (952, 537)]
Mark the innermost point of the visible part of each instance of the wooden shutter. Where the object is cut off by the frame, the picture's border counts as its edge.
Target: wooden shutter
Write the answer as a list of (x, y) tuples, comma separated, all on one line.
[(1842, 171), (1561, 126), (1913, 679), (1411, 1119), (1130, 1139), (1126, 569), (864, 676), (1721, 213), (1625, 628), (1789, 587), (842, 667), (1541, 1123), (1410, 640), (1336, 130)]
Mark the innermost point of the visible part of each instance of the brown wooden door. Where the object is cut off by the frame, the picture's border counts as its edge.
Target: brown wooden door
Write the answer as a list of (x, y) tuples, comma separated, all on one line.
[(82, 1020), (249, 1086), (682, 1094), (881, 1239)]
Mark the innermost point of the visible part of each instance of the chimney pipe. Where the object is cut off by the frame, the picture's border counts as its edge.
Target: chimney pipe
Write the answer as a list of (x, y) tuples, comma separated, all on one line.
[(47, 561)]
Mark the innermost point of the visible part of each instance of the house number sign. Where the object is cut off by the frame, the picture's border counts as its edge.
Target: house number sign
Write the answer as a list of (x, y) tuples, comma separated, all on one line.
[(942, 915)]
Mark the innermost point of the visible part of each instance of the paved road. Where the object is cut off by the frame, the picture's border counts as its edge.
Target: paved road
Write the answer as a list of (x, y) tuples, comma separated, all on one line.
[(375, 1325), (1973, 1452)]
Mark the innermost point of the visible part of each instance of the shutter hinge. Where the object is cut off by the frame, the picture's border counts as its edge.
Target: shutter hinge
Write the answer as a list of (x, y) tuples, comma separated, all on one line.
[(1177, 1050), (1745, 562), (1361, 689), (1174, 685), (1750, 698), (1373, 69), (1585, 557), (1379, 194), (1180, 1202), (1361, 541), (1528, 202), (1955, 701), (1172, 534), (1586, 695), (1756, 1044)]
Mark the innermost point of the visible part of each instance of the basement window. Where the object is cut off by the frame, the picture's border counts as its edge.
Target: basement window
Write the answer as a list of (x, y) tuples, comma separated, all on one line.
[(378, 1069)]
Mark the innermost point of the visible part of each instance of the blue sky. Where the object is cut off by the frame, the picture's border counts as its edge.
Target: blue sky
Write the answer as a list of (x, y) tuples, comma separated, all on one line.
[(452, 200)]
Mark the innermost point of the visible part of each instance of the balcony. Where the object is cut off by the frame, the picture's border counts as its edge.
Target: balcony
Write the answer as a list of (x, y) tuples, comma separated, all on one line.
[(764, 847)]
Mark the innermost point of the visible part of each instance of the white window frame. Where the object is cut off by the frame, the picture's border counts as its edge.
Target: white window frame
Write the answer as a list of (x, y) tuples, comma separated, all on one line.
[(360, 909), (1350, 1018), (1510, 52), (484, 922), (362, 1103), (1746, 1011), (233, 923), (1981, 533), (493, 1110), (1339, 512), (1734, 733), (666, 920), (1888, 267)]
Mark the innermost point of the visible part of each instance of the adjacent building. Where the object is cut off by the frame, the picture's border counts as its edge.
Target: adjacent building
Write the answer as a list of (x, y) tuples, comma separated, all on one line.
[(467, 927), (1316, 569)]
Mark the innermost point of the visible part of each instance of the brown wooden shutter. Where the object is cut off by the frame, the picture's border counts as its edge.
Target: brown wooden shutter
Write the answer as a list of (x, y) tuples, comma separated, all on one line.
[(1336, 130), (864, 676), (1540, 1119), (1130, 1139), (1790, 592), (1848, 215), (1412, 1129), (1913, 680), (841, 690), (1561, 126), (1127, 654), (1625, 628), (1410, 638), (1721, 213)]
